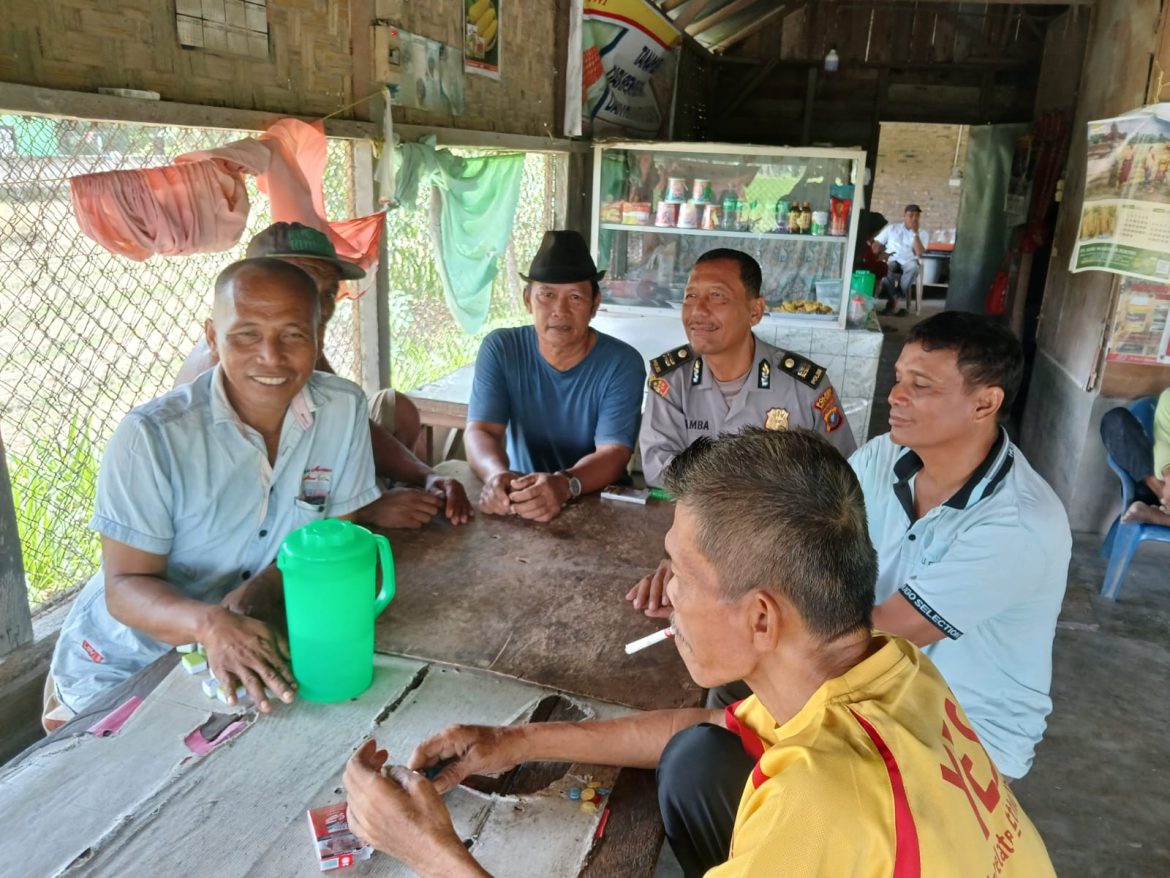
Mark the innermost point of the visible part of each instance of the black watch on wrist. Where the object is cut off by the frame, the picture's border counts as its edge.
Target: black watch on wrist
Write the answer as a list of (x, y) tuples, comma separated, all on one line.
[(574, 484)]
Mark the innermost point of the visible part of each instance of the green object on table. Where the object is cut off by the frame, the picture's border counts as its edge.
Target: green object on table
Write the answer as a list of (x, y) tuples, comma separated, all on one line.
[(329, 570), (660, 494), (862, 282)]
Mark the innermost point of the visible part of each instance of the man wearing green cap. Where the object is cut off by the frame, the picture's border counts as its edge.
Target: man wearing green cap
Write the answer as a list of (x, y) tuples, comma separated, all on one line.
[(393, 418)]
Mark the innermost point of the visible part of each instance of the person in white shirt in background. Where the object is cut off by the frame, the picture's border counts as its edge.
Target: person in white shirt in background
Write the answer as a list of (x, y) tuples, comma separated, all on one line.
[(903, 246)]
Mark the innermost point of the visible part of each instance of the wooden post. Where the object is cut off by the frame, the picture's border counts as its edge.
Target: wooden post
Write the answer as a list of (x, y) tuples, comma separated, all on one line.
[(373, 309), (810, 97), (15, 617)]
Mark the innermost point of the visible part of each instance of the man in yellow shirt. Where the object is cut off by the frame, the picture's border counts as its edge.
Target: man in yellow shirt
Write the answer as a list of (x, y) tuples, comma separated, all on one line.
[(852, 758)]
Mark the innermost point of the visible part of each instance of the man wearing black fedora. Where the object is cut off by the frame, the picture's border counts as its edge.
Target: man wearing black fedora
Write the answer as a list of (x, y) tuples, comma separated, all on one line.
[(555, 406)]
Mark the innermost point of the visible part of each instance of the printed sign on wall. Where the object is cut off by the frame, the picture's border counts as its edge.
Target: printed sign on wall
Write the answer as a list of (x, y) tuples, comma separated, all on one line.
[(1125, 216)]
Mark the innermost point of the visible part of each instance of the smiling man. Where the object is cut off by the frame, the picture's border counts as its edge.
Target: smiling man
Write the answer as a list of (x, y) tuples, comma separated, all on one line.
[(199, 487), (974, 545), (852, 759), (724, 379), (554, 406), (394, 424)]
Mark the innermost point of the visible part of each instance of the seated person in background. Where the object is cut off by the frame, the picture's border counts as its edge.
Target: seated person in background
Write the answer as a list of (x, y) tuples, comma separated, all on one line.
[(726, 378), (852, 758), (554, 406), (974, 545), (394, 421), (902, 243), (1146, 462), (199, 487)]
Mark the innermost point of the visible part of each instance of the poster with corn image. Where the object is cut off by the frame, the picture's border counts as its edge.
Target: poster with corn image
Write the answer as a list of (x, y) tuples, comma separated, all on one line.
[(481, 37)]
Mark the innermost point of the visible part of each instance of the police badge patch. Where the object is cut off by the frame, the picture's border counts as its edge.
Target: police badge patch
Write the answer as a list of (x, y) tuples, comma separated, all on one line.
[(776, 419), (659, 386)]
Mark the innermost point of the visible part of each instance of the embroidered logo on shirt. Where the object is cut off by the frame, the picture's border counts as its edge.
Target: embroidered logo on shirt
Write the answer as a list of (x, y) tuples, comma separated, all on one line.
[(91, 652), (315, 484)]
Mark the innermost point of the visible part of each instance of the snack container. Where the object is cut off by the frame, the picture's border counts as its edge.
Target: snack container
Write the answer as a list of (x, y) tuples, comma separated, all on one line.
[(688, 215), (667, 214), (701, 192), (676, 189), (636, 213)]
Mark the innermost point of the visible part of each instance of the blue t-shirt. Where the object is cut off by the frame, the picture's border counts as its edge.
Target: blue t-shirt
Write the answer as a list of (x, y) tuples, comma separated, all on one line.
[(556, 418)]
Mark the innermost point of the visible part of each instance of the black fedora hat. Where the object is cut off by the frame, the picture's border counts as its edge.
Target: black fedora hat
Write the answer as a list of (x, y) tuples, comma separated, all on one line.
[(563, 258)]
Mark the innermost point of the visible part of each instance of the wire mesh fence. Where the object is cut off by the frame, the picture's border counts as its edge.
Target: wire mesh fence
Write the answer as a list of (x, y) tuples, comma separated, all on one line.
[(86, 335)]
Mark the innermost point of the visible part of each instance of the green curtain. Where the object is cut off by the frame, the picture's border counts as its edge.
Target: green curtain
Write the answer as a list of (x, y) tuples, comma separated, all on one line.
[(476, 206)]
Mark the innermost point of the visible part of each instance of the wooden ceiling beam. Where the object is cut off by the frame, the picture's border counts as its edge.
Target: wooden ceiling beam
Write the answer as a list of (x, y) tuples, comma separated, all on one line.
[(668, 5), (746, 31), (690, 13), (722, 13)]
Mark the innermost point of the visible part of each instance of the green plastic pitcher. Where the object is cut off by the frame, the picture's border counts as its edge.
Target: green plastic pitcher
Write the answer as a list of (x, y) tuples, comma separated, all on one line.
[(329, 569)]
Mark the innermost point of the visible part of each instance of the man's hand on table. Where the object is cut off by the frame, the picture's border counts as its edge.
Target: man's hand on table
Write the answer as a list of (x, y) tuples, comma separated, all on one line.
[(494, 499), (403, 508), (452, 497), (402, 815), (539, 496), (243, 650), (468, 750), (649, 595)]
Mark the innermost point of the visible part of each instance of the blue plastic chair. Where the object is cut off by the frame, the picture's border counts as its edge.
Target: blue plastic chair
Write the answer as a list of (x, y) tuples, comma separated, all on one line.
[(1123, 538)]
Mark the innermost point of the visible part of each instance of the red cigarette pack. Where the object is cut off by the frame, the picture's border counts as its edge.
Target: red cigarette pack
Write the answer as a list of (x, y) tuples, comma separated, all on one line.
[(335, 846)]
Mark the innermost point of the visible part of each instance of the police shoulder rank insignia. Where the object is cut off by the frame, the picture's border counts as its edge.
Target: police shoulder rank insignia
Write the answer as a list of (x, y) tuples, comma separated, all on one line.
[(671, 360), (659, 385), (764, 379), (802, 369), (776, 419), (697, 371), (829, 410)]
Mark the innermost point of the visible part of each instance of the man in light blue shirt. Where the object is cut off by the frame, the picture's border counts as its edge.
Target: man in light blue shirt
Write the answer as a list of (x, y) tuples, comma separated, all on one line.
[(555, 406), (973, 544), (199, 487)]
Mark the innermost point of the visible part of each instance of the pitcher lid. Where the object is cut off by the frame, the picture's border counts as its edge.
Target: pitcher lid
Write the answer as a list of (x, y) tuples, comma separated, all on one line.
[(327, 539)]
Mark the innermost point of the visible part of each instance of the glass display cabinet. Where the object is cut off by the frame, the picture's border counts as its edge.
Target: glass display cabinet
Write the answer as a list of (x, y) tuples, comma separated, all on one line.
[(658, 206)]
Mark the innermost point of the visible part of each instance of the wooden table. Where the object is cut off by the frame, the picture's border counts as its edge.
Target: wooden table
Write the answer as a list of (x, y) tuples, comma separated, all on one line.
[(541, 602), (443, 404), (519, 612)]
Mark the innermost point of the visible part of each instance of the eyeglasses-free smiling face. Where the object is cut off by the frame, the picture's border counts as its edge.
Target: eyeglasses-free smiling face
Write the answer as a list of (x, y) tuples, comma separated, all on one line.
[(266, 337), (717, 311)]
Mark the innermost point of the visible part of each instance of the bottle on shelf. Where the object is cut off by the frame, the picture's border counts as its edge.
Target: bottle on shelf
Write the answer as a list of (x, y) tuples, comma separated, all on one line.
[(729, 219), (782, 216), (794, 218), (805, 218)]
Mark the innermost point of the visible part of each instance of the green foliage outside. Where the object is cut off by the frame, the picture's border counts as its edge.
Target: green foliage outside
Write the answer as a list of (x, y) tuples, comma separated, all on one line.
[(53, 485)]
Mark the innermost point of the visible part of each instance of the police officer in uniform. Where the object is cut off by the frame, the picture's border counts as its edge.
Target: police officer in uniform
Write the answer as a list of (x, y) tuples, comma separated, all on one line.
[(725, 379)]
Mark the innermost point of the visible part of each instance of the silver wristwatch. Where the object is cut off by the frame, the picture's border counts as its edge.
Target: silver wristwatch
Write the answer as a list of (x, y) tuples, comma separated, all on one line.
[(574, 484)]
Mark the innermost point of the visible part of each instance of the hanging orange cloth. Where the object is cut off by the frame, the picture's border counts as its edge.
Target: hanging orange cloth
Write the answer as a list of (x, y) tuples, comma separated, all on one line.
[(200, 205)]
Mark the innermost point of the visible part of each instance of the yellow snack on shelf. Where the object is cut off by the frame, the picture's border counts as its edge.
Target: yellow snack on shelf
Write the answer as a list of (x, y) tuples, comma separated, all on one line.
[(485, 20), (477, 9)]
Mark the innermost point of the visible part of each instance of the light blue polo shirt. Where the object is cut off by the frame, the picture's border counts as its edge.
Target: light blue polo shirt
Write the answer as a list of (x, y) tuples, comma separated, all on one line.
[(556, 418), (183, 477), (989, 568)]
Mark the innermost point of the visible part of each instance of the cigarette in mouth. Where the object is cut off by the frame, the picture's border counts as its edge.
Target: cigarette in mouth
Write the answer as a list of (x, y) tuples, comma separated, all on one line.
[(649, 640)]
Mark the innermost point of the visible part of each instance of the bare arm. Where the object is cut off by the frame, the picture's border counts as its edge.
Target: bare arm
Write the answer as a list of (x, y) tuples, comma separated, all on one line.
[(634, 741), (603, 467), (896, 616), (240, 649), (484, 442)]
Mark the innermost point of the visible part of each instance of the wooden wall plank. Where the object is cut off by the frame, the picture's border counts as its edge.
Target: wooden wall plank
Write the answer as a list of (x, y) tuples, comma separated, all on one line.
[(15, 619)]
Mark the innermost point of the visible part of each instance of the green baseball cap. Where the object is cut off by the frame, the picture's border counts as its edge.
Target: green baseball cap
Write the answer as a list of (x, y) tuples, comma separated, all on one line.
[(293, 239)]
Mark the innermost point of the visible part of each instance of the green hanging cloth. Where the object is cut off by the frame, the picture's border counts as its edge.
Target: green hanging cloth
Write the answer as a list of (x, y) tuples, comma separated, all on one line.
[(471, 219)]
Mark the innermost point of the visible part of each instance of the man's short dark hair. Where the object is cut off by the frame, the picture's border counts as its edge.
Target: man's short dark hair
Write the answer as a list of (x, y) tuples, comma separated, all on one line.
[(989, 354), (749, 269), (296, 279), (783, 511)]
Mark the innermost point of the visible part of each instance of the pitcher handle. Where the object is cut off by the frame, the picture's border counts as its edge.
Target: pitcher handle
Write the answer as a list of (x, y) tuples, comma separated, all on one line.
[(387, 559)]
